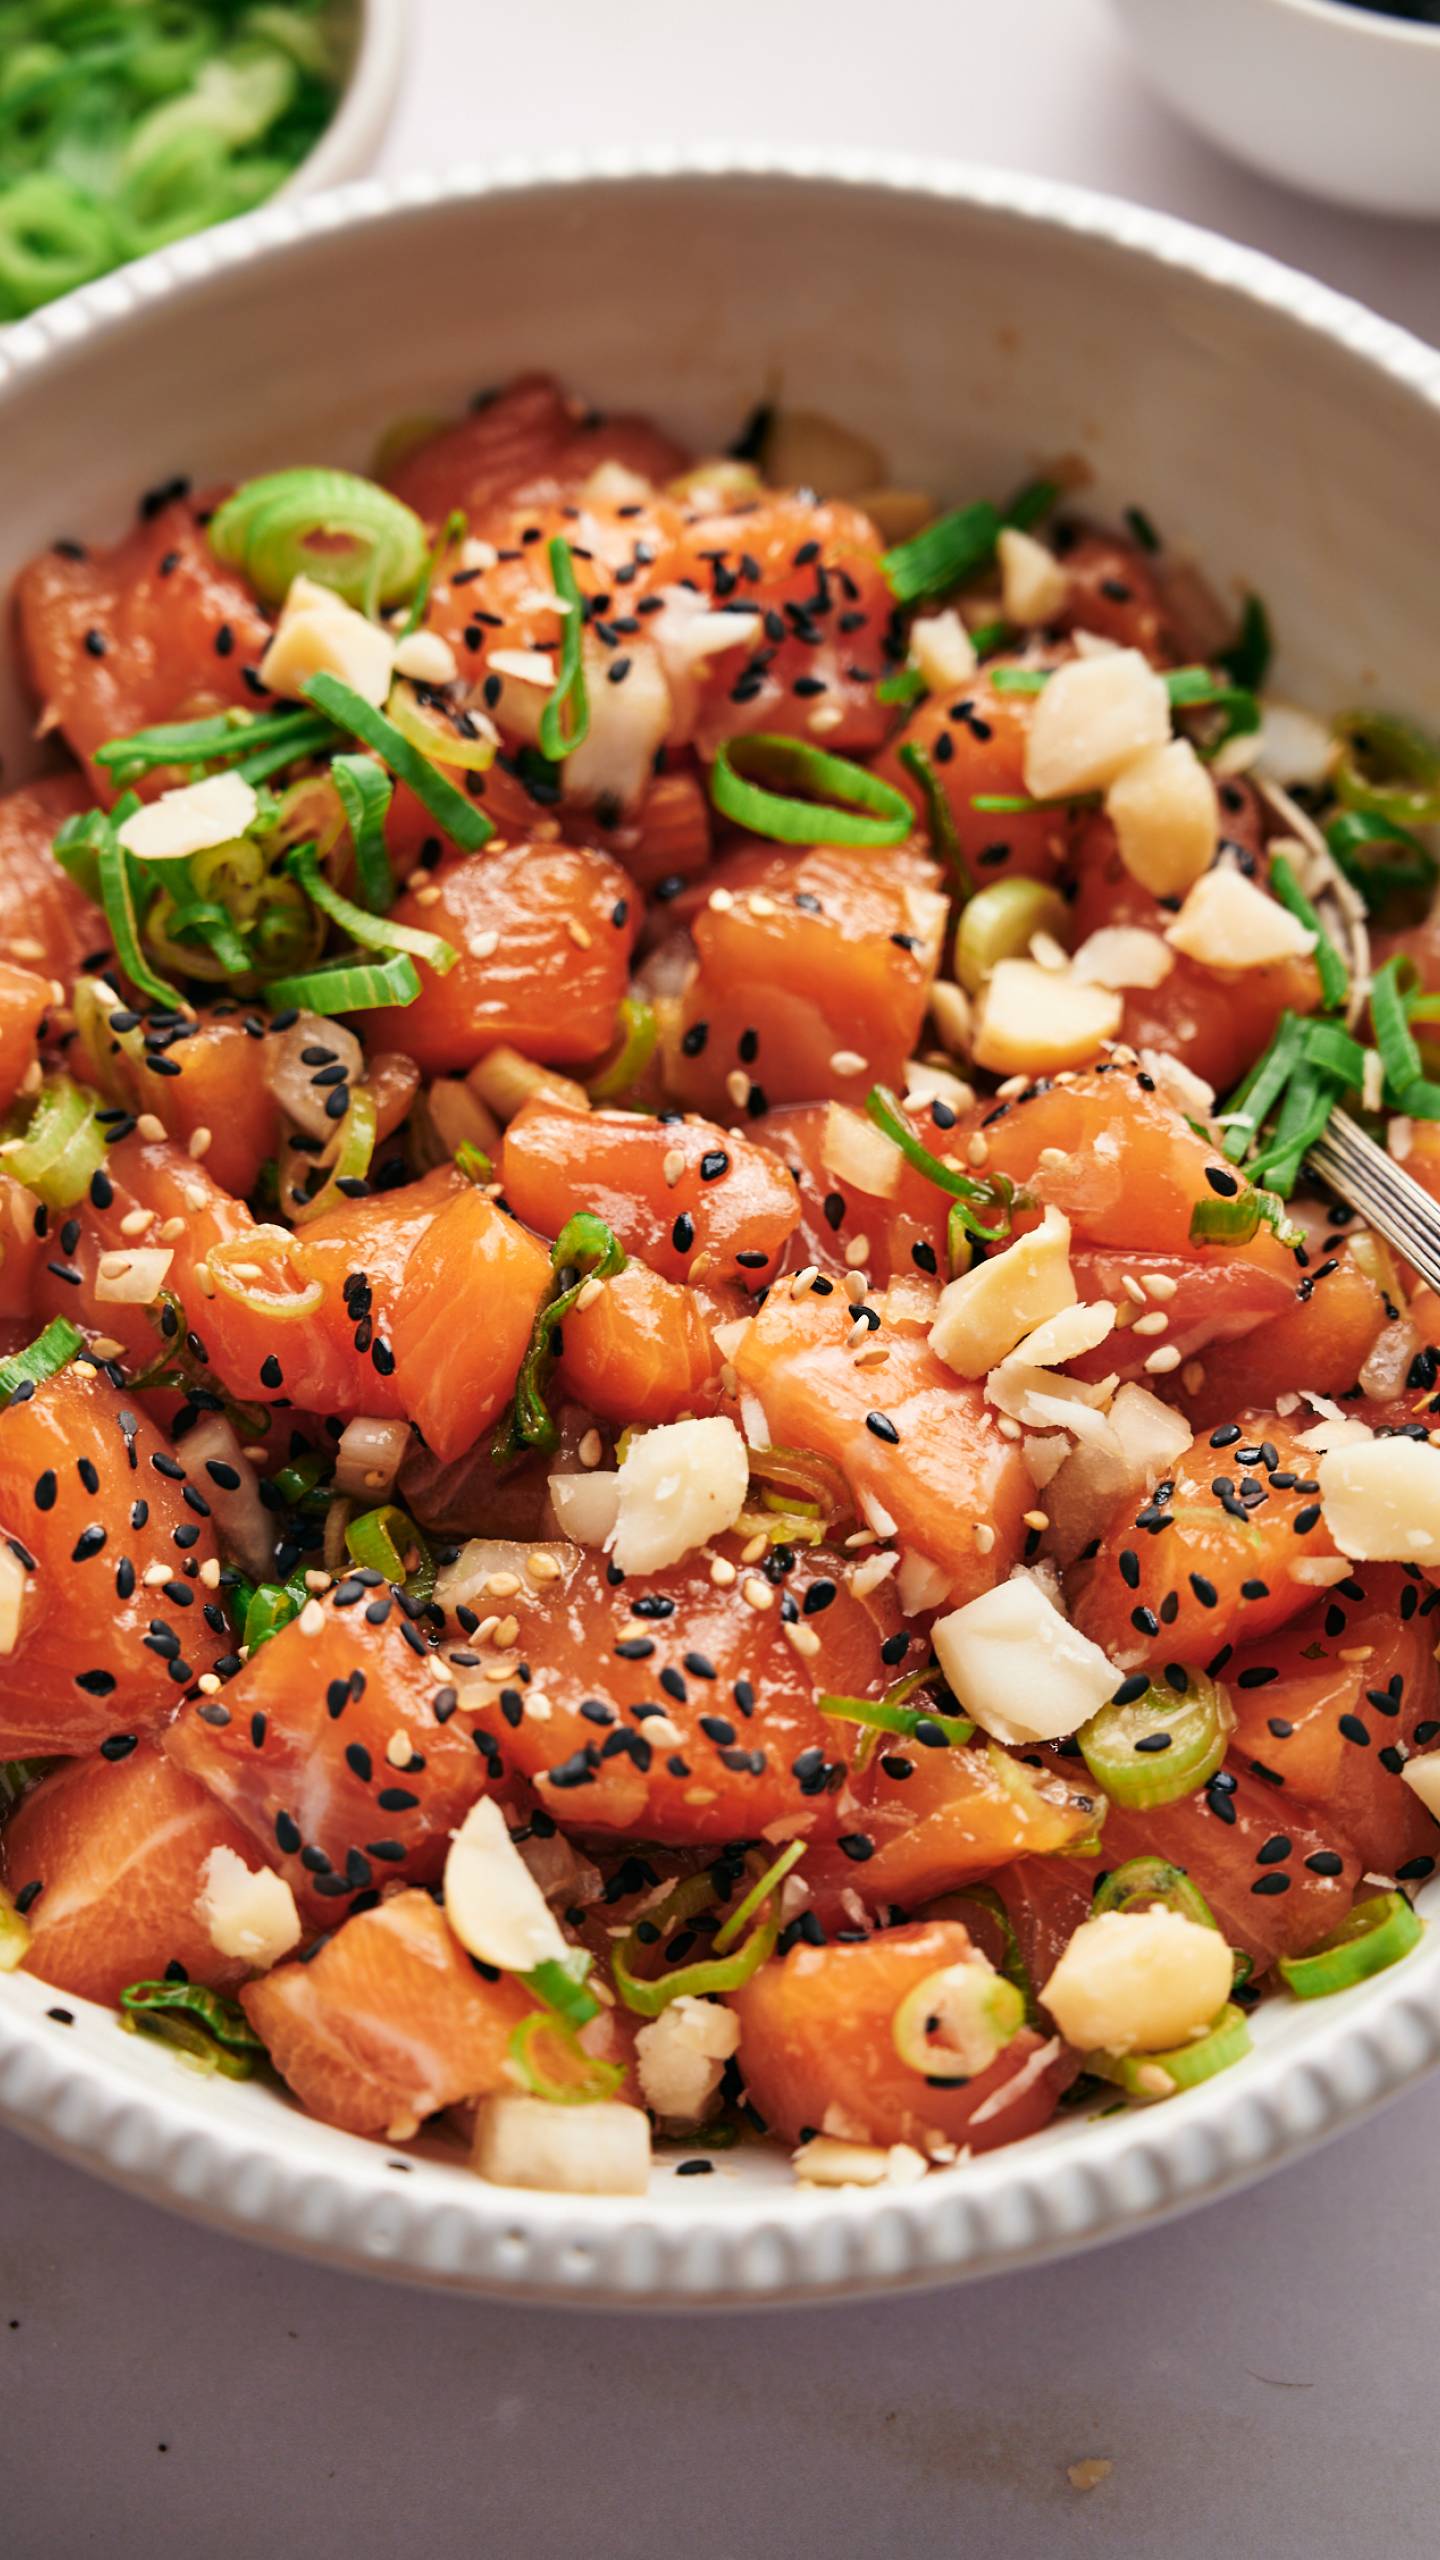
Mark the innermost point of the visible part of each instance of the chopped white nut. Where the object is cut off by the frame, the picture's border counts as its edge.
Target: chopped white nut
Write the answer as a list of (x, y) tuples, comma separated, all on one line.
[(1423, 1777), (1380, 1500), (678, 1486), (597, 2150), (1227, 923), (1095, 716), (942, 649), (319, 634), (1033, 586), (247, 1914), (854, 1151), (133, 1279), (586, 1507), (1065, 1336), (982, 1315), (829, 2162), (425, 657), (1018, 1667), (1123, 955), (1166, 818), (492, 1901), (1138, 1981), (1033, 1021), (191, 819), (681, 2056)]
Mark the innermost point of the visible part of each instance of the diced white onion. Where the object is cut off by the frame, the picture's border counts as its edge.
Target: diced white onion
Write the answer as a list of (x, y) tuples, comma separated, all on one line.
[(135, 1278), (369, 1456), (247, 1529), (597, 2150), (492, 1901), (293, 1082)]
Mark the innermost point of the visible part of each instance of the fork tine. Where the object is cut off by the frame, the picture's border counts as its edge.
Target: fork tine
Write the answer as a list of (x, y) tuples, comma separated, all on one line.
[(1372, 1182)]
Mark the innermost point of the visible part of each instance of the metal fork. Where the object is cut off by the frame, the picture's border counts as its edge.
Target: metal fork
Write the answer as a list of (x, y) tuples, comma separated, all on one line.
[(1382, 1191)]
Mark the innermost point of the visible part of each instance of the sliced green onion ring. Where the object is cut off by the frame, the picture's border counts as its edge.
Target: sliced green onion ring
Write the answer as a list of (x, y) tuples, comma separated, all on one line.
[(889, 1714), (1394, 1038), (49, 1353), (562, 1982), (1387, 767), (62, 1147), (940, 818), (906, 685), (348, 1158), (88, 848), (1162, 1747), (1008, 1960), (348, 986), (952, 549), (457, 816), (203, 2025), (846, 804), (586, 1246), (1152, 2076), (646, 1994), (565, 720), (997, 2014), (1143, 1882), (366, 792), (571, 2077), (445, 733), (637, 1032), (381, 1540), (1371, 1937), (1358, 841), (1000, 923), (344, 532), (376, 933)]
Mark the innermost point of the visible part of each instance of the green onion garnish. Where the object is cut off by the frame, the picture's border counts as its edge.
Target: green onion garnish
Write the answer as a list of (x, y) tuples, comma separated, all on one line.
[(987, 637), (1164, 1745), (565, 720), (562, 1982), (1247, 660), (1387, 767), (381, 1541), (916, 1724), (1394, 1038), (1357, 839), (1010, 1961), (882, 1107), (733, 1925), (1189, 688), (258, 765), (636, 1033), (452, 531), (1142, 1882), (374, 933), (906, 685), (844, 803), (205, 2026), (43, 1358), (1163, 2075), (940, 818), (219, 739), (945, 554), (646, 1994), (348, 986), (1375, 1935), (344, 532), (269, 1606), (366, 792), (63, 1145), (587, 1249), (88, 847), (1334, 976), (578, 2081), (458, 817)]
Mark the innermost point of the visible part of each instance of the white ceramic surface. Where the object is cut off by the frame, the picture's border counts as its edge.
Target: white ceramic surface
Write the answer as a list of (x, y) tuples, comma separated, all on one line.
[(1340, 101), (373, 33), (975, 324)]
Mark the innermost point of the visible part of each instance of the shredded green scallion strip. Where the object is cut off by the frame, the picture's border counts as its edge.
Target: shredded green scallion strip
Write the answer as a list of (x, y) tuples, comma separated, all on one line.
[(348, 986), (456, 815), (375, 933), (565, 720), (49, 1353)]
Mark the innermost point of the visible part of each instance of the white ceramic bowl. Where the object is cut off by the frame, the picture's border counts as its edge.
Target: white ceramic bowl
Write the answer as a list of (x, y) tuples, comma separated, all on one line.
[(1339, 101), (371, 34), (974, 324)]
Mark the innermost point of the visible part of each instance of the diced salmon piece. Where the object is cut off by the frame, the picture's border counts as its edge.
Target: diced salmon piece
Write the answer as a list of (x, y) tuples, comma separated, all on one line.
[(743, 1750), (46, 923), (667, 838), (1330, 1705), (1215, 1296), (936, 1819), (93, 1494), (152, 629), (919, 1447), (1224, 1559), (974, 740), (118, 1850), (1215, 1021), (21, 1249), (1119, 1158), (812, 572), (1045, 1901), (341, 1750), (903, 1231), (212, 1076), (1269, 1898), (640, 1352), (474, 1262), (389, 2022), (527, 921), (1114, 590), (24, 999), (1319, 1339), (818, 2055), (531, 434), (686, 1196), (810, 962)]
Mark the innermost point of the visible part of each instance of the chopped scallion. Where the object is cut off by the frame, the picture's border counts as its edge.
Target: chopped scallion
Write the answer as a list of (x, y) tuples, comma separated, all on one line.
[(565, 720), (452, 811), (842, 803)]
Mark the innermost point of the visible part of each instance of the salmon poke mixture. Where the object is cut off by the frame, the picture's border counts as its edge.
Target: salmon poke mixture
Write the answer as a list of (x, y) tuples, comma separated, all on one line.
[(684, 1456)]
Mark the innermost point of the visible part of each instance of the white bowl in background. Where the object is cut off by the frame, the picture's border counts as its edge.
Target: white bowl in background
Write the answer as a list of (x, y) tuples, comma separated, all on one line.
[(371, 34), (1340, 101), (975, 324)]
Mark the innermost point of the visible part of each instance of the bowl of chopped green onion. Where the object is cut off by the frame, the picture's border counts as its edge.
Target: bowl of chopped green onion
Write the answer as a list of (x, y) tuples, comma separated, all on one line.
[(126, 125)]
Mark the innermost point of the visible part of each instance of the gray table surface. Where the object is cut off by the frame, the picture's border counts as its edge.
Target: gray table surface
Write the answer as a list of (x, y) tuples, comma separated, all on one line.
[(1255, 2372)]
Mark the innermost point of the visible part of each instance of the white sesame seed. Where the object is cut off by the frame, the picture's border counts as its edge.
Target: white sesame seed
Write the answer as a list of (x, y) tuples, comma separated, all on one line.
[(148, 1127), (1036, 1519), (541, 1567), (978, 1149), (1166, 1358), (737, 1085), (1156, 1322), (200, 1142), (722, 900), (171, 1229), (857, 1287), (502, 1586), (591, 1449), (317, 1580), (846, 1062), (722, 1572), (135, 1221), (857, 1251), (984, 1537), (804, 1281), (754, 1548), (673, 1166), (1158, 1284), (1132, 1288), (803, 1638), (755, 1593), (483, 946), (210, 1573), (311, 1618), (871, 1571), (208, 1683), (579, 933), (397, 1750)]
